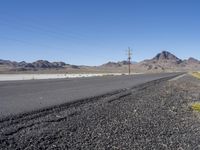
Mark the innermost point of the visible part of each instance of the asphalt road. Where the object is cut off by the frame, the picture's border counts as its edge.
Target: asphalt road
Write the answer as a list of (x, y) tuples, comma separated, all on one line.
[(24, 96)]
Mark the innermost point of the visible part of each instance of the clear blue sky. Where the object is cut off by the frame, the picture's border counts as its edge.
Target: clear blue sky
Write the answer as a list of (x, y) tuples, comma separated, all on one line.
[(92, 32)]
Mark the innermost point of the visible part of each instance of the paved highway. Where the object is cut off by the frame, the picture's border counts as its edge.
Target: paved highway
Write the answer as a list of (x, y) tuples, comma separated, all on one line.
[(24, 96)]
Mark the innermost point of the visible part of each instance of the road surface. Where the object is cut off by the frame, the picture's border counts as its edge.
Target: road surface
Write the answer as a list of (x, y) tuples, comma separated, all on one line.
[(24, 96)]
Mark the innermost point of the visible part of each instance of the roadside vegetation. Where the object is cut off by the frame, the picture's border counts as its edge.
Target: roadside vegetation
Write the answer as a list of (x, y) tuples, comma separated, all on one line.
[(196, 106), (196, 74)]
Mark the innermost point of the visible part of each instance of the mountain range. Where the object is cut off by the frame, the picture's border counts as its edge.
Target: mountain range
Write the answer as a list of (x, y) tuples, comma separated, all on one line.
[(164, 61), (37, 65)]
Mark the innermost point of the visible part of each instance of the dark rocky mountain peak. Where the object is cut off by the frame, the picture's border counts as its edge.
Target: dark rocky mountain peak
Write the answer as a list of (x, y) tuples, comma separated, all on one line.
[(167, 56)]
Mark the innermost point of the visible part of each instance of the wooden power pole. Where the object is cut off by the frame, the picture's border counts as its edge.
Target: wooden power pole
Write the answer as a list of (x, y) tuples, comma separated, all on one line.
[(129, 60)]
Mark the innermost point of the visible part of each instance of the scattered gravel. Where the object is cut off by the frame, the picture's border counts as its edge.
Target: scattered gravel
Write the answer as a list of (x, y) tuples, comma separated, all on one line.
[(155, 115)]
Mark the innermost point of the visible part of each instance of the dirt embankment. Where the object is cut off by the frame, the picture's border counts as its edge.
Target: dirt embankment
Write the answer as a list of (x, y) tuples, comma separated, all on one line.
[(155, 115)]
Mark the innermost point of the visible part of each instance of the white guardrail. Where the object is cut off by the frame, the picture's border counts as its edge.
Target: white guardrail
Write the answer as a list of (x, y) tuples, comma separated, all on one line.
[(12, 77)]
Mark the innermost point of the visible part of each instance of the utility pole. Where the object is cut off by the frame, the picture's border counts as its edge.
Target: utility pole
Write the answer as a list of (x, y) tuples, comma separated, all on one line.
[(129, 60)]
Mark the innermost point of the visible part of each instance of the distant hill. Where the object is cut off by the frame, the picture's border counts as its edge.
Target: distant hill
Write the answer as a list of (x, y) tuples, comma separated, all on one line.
[(117, 64), (192, 61), (111, 64), (167, 61)]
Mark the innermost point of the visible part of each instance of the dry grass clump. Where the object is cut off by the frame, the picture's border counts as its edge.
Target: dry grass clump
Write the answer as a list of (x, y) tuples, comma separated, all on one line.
[(196, 74), (196, 106)]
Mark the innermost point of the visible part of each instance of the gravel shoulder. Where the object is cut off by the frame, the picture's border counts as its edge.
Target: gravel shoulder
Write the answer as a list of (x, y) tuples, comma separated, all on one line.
[(155, 115)]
